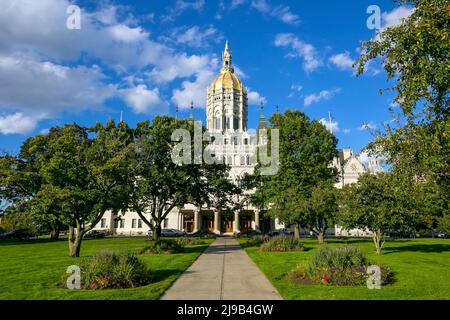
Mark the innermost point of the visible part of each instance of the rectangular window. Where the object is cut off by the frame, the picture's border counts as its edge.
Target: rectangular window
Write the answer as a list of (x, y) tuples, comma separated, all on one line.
[(139, 223), (122, 223), (235, 123), (116, 223), (166, 223), (103, 223), (227, 123), (246, 141), (133, 223)]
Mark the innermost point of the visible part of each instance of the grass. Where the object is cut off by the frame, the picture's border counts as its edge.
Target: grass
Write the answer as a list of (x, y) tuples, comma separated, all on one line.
[(31, 269), (421, 270)]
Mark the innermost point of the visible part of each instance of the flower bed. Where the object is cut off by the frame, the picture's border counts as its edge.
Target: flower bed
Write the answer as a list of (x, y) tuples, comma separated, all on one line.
[(343, 266)]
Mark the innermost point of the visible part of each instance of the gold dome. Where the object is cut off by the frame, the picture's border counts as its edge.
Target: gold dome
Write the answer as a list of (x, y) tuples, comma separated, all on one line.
[(226, 80)]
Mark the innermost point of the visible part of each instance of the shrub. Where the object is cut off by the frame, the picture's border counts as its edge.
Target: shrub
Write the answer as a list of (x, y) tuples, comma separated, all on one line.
[(189, 241), (344, 266), (282, 244), (255, 241), (112, 270), (338, 258), (204, 234), (163, 246)]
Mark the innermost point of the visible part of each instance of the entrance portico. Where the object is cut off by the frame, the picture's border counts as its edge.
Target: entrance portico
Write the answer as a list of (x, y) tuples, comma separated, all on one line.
[(219, 222)]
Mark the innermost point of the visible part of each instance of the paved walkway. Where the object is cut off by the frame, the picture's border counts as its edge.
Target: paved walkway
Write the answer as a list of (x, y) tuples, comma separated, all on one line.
[(223, 272)]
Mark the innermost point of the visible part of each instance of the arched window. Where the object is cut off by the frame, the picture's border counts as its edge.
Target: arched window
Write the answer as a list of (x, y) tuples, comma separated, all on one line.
[(235, 123), (248, 160), (242, 160), (230, 160), (217, 123)]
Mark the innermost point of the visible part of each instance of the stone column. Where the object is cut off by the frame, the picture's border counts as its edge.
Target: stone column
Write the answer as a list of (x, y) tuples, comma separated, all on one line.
[(216, 222), (257, 220), (236, 222), (196, 219)]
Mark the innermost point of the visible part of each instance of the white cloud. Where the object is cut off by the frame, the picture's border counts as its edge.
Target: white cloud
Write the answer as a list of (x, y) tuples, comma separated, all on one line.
[(299, 49), (194, 91), (367, 126), (181, 6), (195, 36), (343, 61), (322, 95), (45, 87), (255, 98), (346, 130), (396, 16), (126, 34), (17, 123), (332, 126), (283, 13), (295, 88), (236, 3), (143, 100)]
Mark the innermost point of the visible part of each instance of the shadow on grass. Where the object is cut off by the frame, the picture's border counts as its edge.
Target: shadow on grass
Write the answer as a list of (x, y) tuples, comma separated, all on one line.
[(162, 274), (12, 242), (418, 248)]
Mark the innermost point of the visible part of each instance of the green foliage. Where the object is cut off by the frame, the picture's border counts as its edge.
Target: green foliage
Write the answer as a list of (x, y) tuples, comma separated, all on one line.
[(255, 241), (189, 241), (338, 258), (306, 151), (163, 246), (416, 54), (113, 270), (282, 244)]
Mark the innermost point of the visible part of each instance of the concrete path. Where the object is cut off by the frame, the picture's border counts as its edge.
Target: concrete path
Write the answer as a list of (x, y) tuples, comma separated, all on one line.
[(223, 272)]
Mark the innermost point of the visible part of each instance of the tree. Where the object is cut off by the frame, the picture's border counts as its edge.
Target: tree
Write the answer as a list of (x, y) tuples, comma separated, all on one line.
[(157, 184), (306, 152), (416, 54), (321, 209), (374, 203), (83, 177)]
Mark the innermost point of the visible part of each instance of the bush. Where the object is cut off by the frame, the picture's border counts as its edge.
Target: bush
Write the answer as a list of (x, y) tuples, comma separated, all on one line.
[(112, 270), (338, 258), (163, 246), (282, 244), (255, 241), (188, 241), (204, 234), (344, 266)]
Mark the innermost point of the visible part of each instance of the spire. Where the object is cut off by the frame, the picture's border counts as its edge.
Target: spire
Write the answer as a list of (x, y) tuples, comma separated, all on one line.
[(226, 59), (121, 116), (277, 109), (192, 109), (176, 111)]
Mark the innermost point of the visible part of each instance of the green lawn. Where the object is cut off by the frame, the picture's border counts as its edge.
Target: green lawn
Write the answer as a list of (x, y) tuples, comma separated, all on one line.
[(31, 269), (421, 267)]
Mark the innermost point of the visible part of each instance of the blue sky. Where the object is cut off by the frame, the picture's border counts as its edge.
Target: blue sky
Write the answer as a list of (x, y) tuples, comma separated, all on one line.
[(144, 57)]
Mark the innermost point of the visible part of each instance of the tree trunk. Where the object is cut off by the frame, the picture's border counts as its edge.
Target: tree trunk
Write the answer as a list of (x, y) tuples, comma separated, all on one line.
[(378, 240), (55, 230), (75, 237), (297, 231), (157, 232), (320, 237)]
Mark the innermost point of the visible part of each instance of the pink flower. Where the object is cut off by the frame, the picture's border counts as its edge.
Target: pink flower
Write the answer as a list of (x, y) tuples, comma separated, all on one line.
[(325, 279)]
